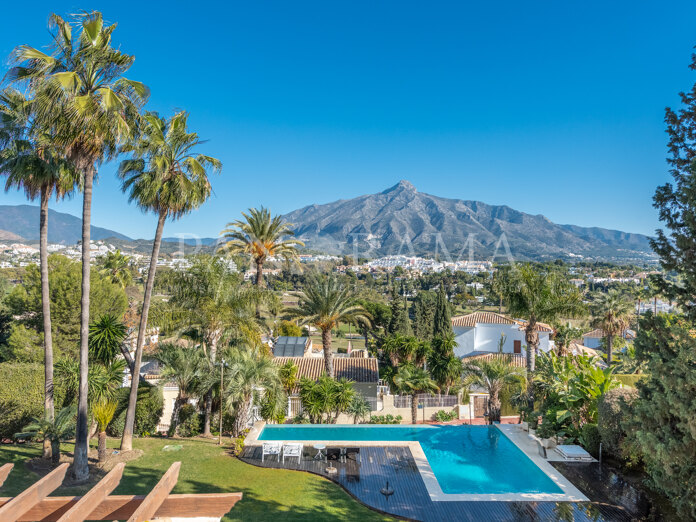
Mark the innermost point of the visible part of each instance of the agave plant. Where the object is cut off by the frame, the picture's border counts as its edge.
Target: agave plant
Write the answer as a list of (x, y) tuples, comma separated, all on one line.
[(62, 427)]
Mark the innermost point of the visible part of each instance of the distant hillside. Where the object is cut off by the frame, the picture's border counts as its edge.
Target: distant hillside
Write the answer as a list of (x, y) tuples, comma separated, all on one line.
[(23, 221), (403, 220)]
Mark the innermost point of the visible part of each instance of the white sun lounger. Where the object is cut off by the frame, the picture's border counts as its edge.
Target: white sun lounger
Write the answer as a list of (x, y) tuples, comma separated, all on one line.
[(292, 449), (271, 448)]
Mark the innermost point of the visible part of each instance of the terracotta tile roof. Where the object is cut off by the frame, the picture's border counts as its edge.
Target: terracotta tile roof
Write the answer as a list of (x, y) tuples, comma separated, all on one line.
[(356, 369), (515, 359), (540, 327), (580, 349), (470, 320), (598, 333)]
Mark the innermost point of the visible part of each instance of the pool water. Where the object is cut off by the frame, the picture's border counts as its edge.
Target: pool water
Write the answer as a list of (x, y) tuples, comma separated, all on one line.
[(464, 459)]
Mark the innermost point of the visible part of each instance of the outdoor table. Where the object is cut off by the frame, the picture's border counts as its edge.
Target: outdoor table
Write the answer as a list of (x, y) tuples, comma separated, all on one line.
[(320, 451)]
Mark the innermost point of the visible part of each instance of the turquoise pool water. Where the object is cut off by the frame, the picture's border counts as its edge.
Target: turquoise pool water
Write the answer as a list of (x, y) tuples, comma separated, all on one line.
[(464, 459)]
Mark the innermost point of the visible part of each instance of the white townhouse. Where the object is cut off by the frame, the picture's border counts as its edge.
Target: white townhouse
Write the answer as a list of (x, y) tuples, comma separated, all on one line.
[(482, 332)]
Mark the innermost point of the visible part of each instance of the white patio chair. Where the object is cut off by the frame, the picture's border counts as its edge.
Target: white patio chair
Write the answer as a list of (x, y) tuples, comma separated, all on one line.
[(292, 449), (271, 448)]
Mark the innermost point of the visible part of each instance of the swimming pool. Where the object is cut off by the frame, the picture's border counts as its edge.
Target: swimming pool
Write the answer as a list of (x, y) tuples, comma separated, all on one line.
[(464, 459)]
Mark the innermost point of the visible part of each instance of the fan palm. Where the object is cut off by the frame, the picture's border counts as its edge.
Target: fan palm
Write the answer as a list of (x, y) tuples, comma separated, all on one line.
[(262, 236), (81, 90), (118, 267), (30, 163), (359, 408), (325, 302), (184, 367), (612, 314), (167, 176), (62, 427), (247, 370), (493, 375), (410, 380)]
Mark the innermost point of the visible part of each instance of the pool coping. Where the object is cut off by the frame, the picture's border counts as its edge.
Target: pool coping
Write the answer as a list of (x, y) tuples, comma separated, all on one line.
[(512, 432)]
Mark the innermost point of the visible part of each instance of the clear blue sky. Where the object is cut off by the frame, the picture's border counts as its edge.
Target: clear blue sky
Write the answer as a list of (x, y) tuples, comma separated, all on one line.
[(551, 107)]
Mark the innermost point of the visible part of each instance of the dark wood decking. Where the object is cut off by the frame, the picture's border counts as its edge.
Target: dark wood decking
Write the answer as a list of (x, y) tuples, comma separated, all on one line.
[(366, 475)]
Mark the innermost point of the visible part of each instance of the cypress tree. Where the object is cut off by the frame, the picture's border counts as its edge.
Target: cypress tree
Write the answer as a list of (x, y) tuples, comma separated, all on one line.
[(442, 321)]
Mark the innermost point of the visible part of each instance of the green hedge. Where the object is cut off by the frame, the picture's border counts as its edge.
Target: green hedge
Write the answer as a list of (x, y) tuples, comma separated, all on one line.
[(629, 379), (21, 395), (148, 410)]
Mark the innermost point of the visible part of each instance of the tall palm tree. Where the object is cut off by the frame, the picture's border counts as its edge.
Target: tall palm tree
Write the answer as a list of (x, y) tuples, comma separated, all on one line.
[(247, 370), (30, 163), (326, 301), (612, 314), (210, 303), (80, 88), (167, 176), (262, 236), (410, 380), (539, 295), (184, 367), (493, 375)]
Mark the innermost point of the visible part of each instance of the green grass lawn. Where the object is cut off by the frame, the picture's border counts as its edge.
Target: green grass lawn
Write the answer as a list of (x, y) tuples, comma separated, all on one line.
[(269, 494)]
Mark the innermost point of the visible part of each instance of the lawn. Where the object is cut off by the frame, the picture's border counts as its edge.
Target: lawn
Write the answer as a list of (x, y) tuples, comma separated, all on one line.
[(269, 494)]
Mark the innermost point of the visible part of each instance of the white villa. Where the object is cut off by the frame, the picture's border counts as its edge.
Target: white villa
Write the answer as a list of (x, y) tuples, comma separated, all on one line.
[(483, 332)]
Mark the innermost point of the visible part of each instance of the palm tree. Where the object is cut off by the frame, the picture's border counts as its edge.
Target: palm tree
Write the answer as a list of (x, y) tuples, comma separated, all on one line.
[(103, 412), (359, 408), (30, 164), (288, 376), (184, 367), (210, 303), (565, 334), (81, 90), (612, 314), (402, 349), (410, 380), (540, 296), (262, 236), (444, 367), (168, 177), (61, 428), (247, 370), (106, 335), (325, 302), (118, 267), (493, 375)]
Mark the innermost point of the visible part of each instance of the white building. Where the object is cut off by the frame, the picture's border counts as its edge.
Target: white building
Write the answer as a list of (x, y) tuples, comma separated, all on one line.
[(483, 332)]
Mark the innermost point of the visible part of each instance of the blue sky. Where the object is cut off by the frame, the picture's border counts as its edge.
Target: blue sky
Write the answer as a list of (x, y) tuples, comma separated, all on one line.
[(550, 107)]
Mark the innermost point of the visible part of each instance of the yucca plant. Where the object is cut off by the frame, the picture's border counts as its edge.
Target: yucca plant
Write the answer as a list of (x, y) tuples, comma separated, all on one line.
[(55, 430), (103, 411)]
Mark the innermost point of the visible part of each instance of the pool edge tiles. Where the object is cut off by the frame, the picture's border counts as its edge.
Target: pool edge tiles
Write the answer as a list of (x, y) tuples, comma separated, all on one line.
[(521, 441)]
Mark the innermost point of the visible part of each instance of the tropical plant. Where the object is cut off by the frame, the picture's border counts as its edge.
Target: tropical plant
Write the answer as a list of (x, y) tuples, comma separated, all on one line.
[(288, 376), (612, 314), (565, 334), (117, 267), (325, 399), (31, 163), (103, 411), (81, 90), (400, 349), (106, 336), (262, 236), (182, 366), (493, 375), (359, 408), (103, 383), (61, 428), (444, 367), (410, 380), (325, 302), (629, 362), (247, 370), (166, 176)]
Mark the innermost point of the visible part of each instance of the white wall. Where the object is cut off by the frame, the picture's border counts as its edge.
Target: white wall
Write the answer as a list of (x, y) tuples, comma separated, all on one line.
[(486, 338)]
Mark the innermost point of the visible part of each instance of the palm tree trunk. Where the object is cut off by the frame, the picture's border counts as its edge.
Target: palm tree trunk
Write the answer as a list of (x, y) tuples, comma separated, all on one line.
[(610, 348), (174, 422), (241, 416), (532, 338), (127, 439), (328, 354), (46, 313), (80, 469), (101, 447), (209, 394), (414, 409), (259, 284), (494, 407), (55, 452)]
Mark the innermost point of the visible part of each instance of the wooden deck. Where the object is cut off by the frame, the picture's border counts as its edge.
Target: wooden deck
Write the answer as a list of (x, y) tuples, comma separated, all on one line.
[(365, 476)]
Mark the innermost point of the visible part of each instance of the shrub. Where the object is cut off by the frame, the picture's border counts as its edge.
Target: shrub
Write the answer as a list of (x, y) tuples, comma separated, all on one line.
[(629, 379), (385, 419), (189, 421), (21, 396), (148, 410), (445, 416), (238, 443), (614, 412), (590, 438)]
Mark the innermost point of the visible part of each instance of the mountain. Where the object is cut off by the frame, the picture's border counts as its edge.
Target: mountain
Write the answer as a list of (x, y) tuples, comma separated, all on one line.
[(402, 220), (23, 220)]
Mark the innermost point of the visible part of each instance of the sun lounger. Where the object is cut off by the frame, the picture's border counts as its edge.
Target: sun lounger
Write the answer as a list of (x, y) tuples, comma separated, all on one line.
[(271, 448), (292, 449), (574, 452)]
